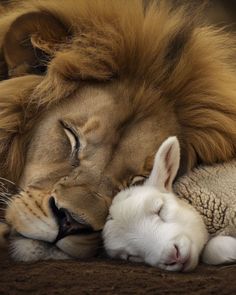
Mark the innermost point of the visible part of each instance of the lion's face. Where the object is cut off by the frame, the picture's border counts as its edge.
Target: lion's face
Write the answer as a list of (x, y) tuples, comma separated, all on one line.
[(82, 153)]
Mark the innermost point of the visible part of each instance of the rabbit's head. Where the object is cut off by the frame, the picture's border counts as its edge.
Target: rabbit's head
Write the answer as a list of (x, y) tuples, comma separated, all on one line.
[(149, 223)]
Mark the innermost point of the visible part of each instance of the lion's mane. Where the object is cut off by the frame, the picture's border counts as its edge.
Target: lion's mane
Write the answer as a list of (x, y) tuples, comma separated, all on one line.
[(191, 65)]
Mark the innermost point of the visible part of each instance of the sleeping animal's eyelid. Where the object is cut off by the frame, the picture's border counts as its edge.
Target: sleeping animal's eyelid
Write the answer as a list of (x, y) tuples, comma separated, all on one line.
[(138, 179), (72, 135), (158, 212)]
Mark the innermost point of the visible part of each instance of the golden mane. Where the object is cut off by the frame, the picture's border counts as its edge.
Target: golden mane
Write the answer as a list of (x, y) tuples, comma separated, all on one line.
[(191, 66)]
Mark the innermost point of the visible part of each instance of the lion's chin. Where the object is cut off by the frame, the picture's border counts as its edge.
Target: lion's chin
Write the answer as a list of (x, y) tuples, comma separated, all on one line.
[(80, 246), (29, 250)]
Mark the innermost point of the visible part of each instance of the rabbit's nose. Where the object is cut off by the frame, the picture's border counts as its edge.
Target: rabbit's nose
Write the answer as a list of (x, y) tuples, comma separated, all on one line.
[(174, 256)]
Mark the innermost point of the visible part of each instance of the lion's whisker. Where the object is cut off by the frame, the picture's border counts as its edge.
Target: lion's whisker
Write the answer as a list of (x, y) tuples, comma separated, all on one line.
[(5, 201), (5, 197), (5, 194), (5, 204), (7, 180), (10, 182)]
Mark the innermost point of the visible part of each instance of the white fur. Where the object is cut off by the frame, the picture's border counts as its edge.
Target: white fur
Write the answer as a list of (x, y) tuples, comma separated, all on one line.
[(220, 250), (150, 224)]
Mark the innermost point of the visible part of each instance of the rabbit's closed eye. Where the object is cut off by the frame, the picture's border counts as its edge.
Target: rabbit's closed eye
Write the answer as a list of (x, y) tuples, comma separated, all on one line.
[(159, 210), (156, 207)]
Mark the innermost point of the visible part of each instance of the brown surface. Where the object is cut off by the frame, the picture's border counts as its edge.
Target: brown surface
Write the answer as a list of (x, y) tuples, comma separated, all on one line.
[(100, 276)]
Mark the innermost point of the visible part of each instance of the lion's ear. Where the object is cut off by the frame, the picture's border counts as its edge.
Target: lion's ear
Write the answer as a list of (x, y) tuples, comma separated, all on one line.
[(31, 41)]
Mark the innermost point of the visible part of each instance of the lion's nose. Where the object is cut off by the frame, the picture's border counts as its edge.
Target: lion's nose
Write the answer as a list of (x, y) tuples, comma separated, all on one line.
[(67, 224)]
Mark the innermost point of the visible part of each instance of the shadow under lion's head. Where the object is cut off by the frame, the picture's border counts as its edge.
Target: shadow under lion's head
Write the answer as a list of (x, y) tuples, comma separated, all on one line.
[(118, 79)]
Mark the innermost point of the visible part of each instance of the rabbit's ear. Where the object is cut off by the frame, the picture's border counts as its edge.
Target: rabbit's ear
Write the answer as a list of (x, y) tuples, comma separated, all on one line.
[(166, 165)]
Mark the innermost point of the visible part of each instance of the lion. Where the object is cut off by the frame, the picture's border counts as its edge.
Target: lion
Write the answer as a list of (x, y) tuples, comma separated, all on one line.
[(89, 91)]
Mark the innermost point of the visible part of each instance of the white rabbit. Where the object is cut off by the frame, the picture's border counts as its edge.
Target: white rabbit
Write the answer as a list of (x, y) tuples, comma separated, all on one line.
[(149, 223)]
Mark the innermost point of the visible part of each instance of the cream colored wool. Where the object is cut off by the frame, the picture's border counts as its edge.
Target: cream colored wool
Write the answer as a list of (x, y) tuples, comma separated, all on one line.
[(212, 192)]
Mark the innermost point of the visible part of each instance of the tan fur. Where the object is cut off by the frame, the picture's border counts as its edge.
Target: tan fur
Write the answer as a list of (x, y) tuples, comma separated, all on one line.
[(126, 78), (4, 231)]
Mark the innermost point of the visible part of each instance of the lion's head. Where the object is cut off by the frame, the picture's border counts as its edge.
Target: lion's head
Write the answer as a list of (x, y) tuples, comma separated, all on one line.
[(120, 79)]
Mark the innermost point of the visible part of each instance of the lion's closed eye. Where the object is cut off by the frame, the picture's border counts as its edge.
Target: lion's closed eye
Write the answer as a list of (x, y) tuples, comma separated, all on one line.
[(74, 140), (138, 180)]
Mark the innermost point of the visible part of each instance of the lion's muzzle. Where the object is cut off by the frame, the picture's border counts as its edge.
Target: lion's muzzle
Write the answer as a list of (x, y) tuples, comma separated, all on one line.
[(67, 224)]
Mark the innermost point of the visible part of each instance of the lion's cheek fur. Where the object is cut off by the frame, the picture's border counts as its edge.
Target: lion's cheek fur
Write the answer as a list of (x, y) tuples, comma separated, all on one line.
[(30, 217)]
